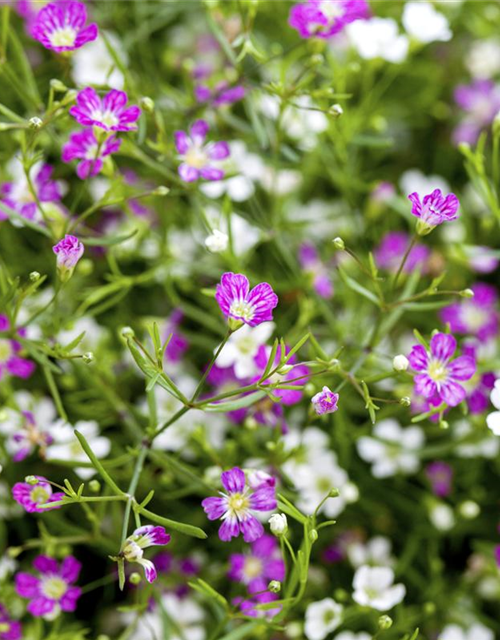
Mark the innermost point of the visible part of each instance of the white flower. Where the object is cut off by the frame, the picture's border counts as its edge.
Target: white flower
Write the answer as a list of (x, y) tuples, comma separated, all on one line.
[(415, 180), (281, 183), (373, 587), (186, 614), (424, 23), (94, 332), (66, 446), (476, 443), (493, 419), (93, 64), (349, 635), (400, 363), (375, 552), (483, 58), (244, 235), (476, 631), (322, 618), (393, 450), (278, 524), (7, 566), (378, 38), (242, 347), (442, 517), (217, 241)]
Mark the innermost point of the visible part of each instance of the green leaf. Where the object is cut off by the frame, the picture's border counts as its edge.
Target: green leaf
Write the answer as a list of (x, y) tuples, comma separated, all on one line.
[(188, 529), (204, 588), (97, 465), (109, 241), (233, 405), (358, 288)]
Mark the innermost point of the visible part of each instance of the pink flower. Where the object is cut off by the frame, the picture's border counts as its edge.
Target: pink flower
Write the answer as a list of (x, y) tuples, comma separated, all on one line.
[(440, 475), (9, 629), (142, 538), (17, 195), (69, 250), (238, 302), (235, 507), (438, 373), (83, 145), (325, 401), (32, 496), (52, 591), (311, 263), (434, 210), (258, 567), (297, 375), (197, 157), (480, 101), (10, 361), (109, 113), (325, 18), (61, 26), (477, 316), (221, 94), (392, 248)]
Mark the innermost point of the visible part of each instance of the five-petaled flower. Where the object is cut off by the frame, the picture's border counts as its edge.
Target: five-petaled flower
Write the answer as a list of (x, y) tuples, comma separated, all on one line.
[(477, 316), (109, 113), (143, 537), (438, 373), (84, 146), (433, 210), (9, 629), (10, 361), (61, 26), (239, 303), (325, 18), (33, 496), (199, 160), (235, 507), (325, 401), (69, 250), (52, 591)]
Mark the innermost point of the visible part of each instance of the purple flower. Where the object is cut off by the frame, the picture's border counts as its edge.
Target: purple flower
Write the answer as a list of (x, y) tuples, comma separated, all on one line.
[(83, 145), (178, 344), (235, 507), (257, 568), (9, 629), (497, 554), (482, 259), (238, 302), (440, 475), (18, 196), (325, 18), (61, 26), (69, 250), (220, 95), (481, 102), (477, 316), (24, 435), (248, 606), (296, 375), (197, 157), (392, 248), (33, 496), (10, 361), (142, 538), (438, 373), (52, 591), (434, 210), (478, 398), (311, 263), (325, 401), (109, 113)]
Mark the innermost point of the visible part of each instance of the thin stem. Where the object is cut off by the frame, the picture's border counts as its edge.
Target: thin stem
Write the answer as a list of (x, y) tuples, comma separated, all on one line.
[(132, 488), (405, 258), (199, 388)]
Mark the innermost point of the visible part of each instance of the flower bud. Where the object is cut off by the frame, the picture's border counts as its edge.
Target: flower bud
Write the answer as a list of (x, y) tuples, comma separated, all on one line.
[(95, 486), (400, 363), (217, 241), (443, 424), (338, 243), (148, 104), (405, 401), (469, 509), (127, 332), (162, 190), (88, 357), (34, 276), (69, 250), (467, 293), (334, 493), (313, 535), (336, 111), (135, 578), (274, 586), (35, 123), (385, 622), (284, 369), (278, 524), (31, 480), (57, 85)]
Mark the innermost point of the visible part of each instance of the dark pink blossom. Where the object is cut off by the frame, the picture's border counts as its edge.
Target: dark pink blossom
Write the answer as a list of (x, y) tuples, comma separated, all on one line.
[(312, 265), (33, 496), (438, 376), (221, 94), (325, 18), (52, 591), (9, 629), (258, 567), (142, 538), (236, 507), (325, 401), (433, 210), (18, 196), (109, 113), (69, 250), (60, 26), (389, 253), (440, 475), (480, 101), (11, 363), (83, 145), (199, 160), (238, 302), (477, 316)]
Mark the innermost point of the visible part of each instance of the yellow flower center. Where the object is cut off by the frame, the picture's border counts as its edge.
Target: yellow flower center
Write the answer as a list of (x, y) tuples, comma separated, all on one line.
[(53, 587), (253, 567), (39, 495), (237, 503), (63, 37), (196, 157), (241, 309), (437, 371)]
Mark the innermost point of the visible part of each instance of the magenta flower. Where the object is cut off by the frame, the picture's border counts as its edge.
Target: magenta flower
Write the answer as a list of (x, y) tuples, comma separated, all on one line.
[(434, 210), (199, 160), (325, 18), (178, 343), (312, 265), (33, 496), (389, 254), (236, 506), (257, 568), (83, 146), (17, 195), (10, 361), (238, 302), (438, 373), (9, 629), (440, 475), (142, 538), (109, 113), (61, 26), (52, 591), (481, 102), (248, 606), (477, 316), (325, 401), (69, 250), (24, 435), (297, 375), (221, 94)]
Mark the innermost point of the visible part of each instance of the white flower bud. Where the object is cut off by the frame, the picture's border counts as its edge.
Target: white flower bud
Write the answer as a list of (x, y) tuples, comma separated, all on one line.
[(127, 332), (88, 357), (217, 241), (338, 243), (469, 509), (336, 111), (35, 123), (400, 363), (274, 586), (278, 524), (34, 276)]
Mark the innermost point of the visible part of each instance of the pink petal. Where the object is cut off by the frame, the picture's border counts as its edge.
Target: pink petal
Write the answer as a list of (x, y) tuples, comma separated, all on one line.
[(443, 346)]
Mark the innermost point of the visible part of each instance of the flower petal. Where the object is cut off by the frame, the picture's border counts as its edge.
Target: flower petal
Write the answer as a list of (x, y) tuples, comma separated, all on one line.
[(443, 346)]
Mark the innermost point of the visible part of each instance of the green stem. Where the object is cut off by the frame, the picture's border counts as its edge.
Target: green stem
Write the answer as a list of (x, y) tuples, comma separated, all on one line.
[(405, 258)]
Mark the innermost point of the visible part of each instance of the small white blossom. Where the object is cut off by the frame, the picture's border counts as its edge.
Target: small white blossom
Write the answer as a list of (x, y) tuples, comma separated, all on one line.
[(217, 241), (493, 419), (442, 517), (242, 347), (322, 618), (476, 631), (424, 23), (278, 524), (374, 587), (400, 363), (378, 38)]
